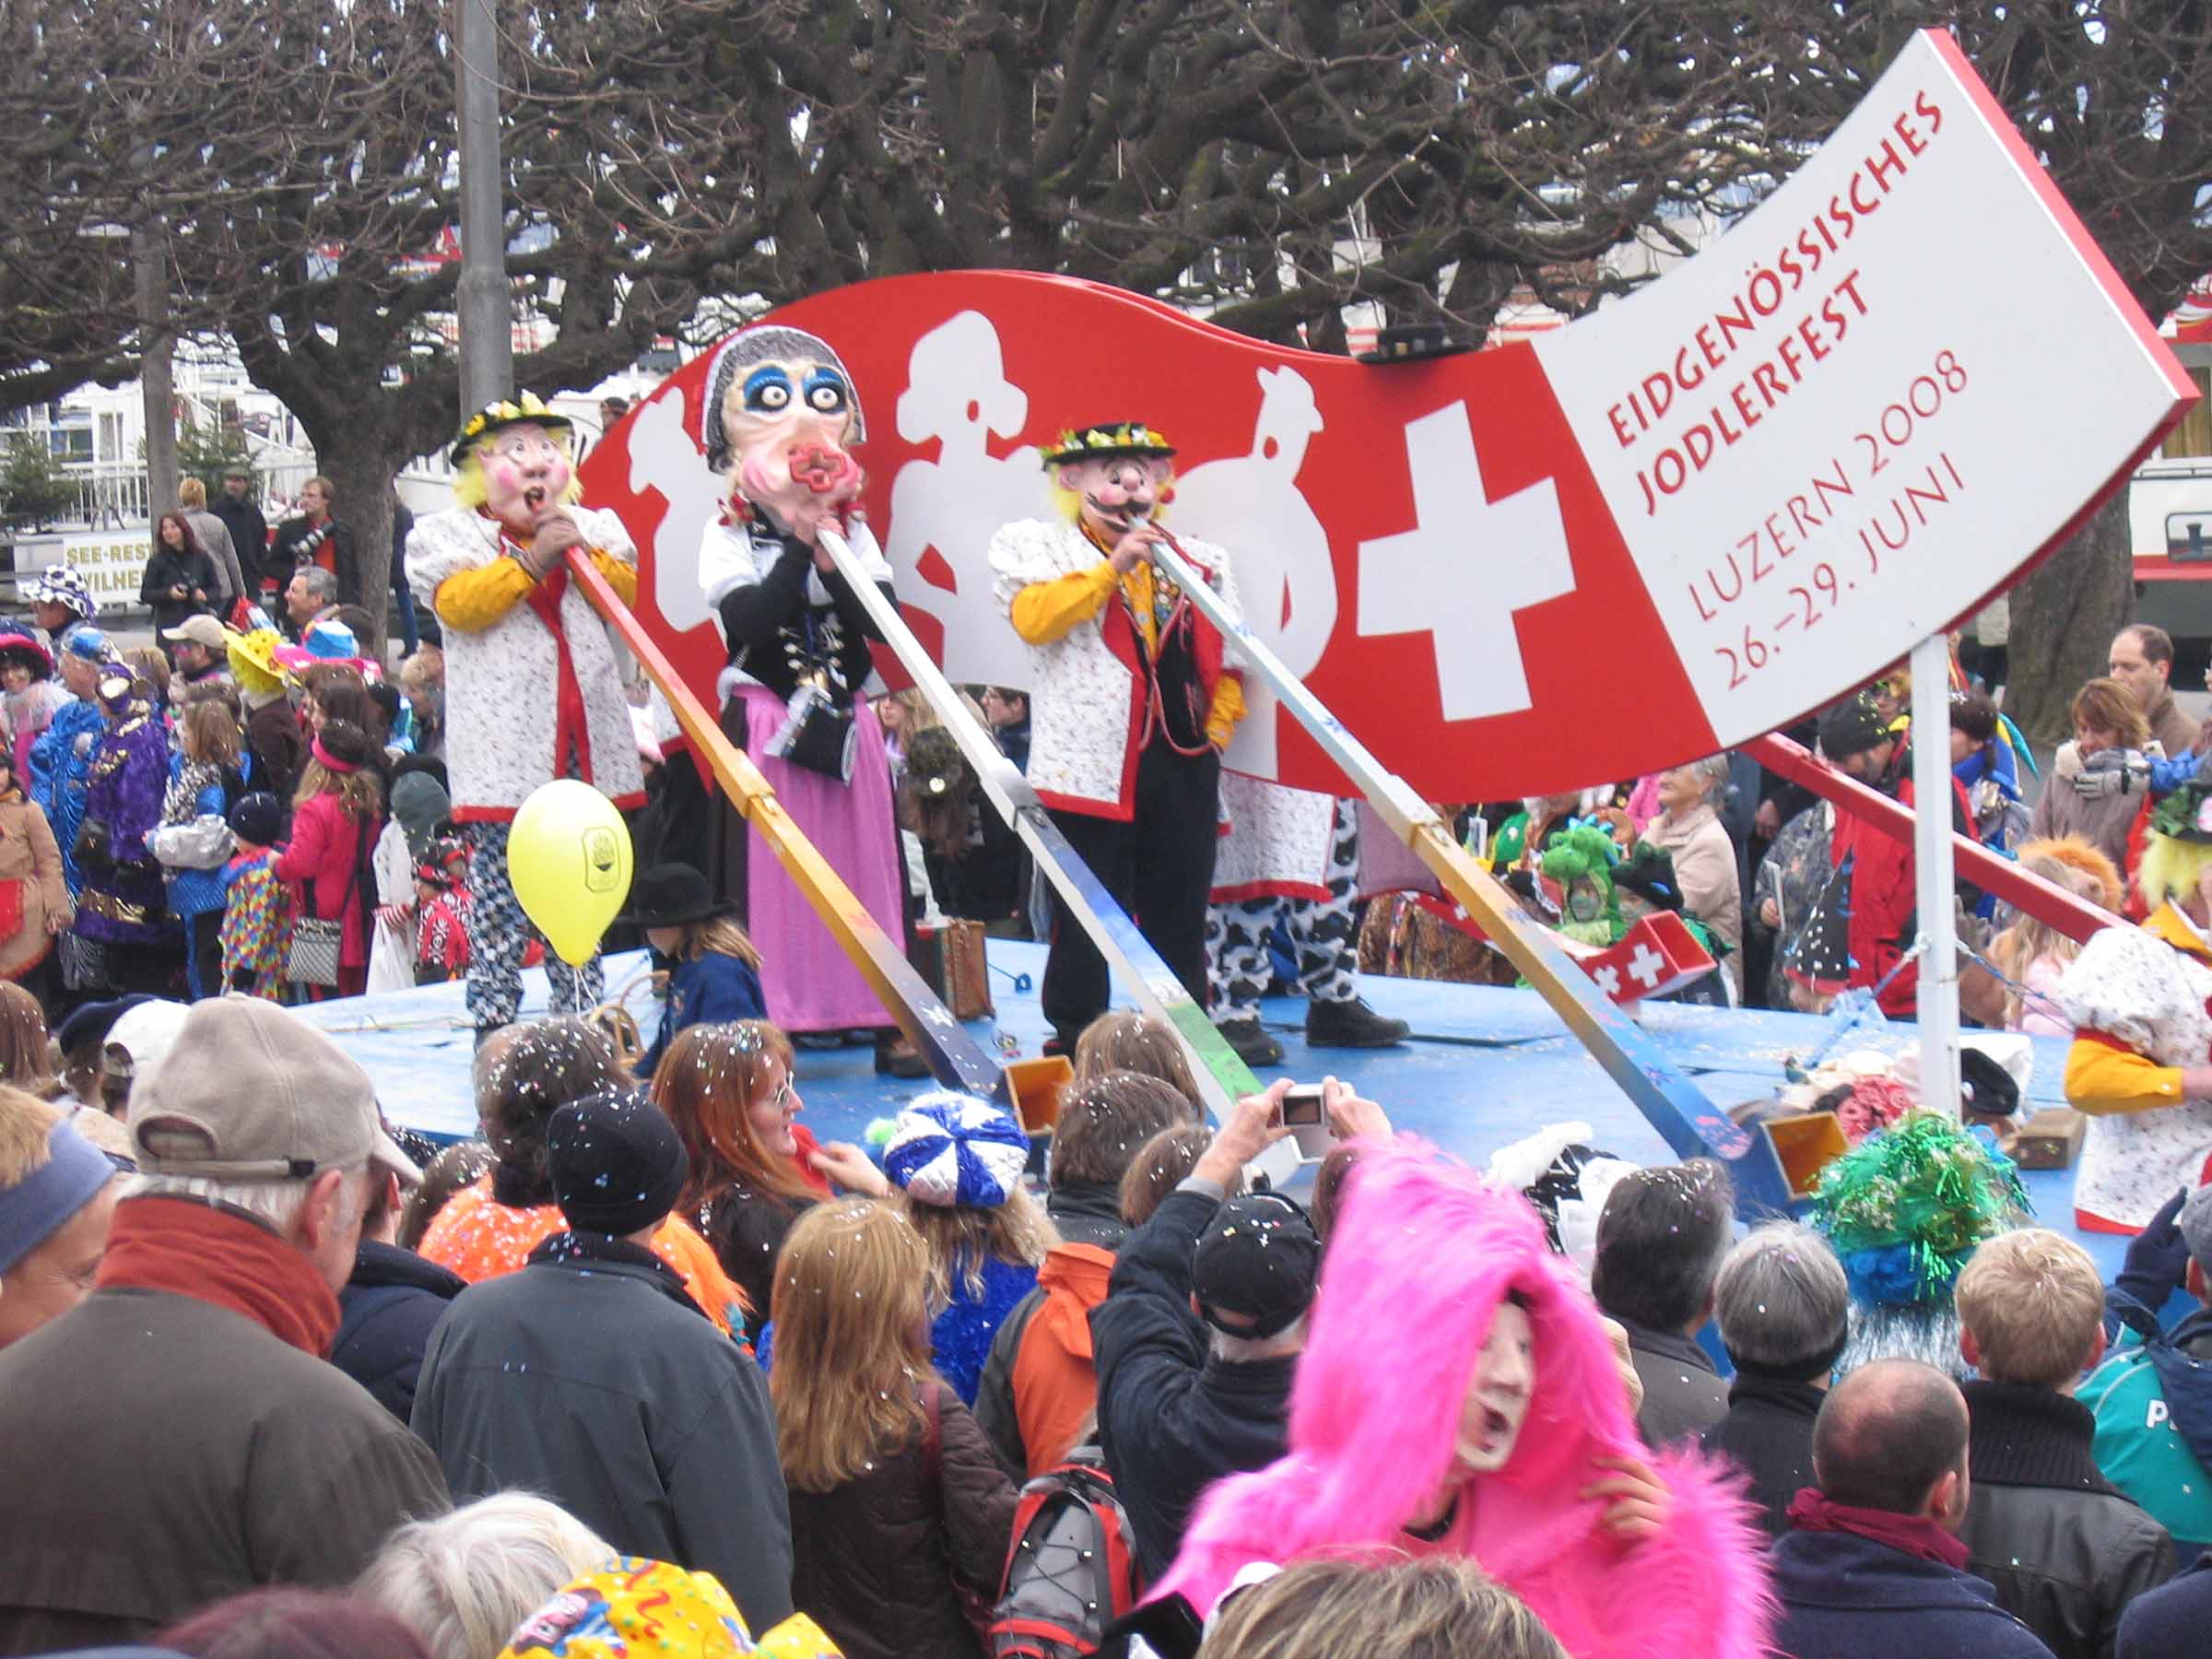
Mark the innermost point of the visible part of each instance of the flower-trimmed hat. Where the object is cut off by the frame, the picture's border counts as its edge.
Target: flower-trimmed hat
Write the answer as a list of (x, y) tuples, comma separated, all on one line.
[(21, 648), (1107, 438), (2183, 815), (506, 412)]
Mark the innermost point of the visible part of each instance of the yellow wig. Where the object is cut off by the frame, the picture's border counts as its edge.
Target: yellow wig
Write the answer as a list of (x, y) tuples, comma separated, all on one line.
[(469, 487), (2171, 868)]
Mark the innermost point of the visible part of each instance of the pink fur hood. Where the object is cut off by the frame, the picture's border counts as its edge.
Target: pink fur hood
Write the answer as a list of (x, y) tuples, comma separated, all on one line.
[(1423, 1253)]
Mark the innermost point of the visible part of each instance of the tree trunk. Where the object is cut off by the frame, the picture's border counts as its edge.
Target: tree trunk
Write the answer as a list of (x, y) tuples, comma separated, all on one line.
[(361, 467), (2064, 618)]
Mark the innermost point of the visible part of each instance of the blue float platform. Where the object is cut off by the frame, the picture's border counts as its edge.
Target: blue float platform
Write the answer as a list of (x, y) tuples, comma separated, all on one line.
[(1486, 1066)]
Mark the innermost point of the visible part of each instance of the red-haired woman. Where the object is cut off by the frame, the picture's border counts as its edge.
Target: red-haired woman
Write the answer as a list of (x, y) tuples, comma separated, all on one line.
[(179, 576), (755, 1170)]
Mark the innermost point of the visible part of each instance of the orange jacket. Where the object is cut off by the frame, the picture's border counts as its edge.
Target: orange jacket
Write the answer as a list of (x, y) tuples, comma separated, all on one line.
[(479, 1237), (1055, 1388)]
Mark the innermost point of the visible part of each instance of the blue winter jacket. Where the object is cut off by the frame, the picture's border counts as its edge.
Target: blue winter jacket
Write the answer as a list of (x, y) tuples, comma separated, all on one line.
[(709, 989), (1847, 1597)]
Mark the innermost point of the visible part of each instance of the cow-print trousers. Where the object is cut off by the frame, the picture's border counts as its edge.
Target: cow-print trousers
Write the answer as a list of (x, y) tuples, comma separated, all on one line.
[(500, 935), (1322, 930)]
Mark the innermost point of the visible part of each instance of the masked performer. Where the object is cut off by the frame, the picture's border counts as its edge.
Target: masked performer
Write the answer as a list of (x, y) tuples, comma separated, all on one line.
[(781, 417), (2141, 1063), (1132, 701), (532, 691)]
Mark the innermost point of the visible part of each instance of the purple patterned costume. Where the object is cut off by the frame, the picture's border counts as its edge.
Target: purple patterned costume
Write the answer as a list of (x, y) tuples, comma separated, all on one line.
[(121, 901)]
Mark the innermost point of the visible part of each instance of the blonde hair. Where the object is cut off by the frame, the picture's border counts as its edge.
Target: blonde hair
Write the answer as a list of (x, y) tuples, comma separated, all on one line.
[(2171, 868), (463, 1581), (1439, 1608), (1137, 1042), (470, 489), (961, 1237), (150, 669), (26, 1135), (2033, 1302), (191, 495), (718, 935), (852, 1341), (360, 795), (2027, 940), (705, 1086), (423, 667), (210, 735)]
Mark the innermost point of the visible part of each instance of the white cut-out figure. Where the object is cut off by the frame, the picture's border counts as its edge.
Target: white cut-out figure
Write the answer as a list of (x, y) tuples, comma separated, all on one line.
[(957, 393), (666, 459), (1251, 504)]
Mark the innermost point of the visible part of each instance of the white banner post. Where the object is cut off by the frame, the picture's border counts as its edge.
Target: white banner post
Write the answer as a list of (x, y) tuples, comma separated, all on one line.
[(1932, 870)]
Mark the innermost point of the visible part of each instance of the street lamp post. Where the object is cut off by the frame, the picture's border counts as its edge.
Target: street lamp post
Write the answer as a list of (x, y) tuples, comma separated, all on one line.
[(485, 303)]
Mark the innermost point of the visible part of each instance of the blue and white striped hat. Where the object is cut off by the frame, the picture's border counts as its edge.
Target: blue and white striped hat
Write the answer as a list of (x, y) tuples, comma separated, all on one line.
[(949, 1148)]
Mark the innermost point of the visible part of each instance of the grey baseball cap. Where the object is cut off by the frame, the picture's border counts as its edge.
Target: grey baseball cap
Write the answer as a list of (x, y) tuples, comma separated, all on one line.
[(249, 1091)]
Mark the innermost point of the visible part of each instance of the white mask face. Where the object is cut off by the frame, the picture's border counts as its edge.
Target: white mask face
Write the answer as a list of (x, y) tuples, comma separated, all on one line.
[(1499, 1393)]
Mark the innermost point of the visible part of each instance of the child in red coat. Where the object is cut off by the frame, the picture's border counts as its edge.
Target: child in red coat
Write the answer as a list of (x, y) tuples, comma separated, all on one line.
[(336, 818), (441, 905)]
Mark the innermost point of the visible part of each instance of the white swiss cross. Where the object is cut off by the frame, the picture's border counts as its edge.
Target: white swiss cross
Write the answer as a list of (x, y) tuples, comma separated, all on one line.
[(1464, 567), (1609, 980), (1644, 966)]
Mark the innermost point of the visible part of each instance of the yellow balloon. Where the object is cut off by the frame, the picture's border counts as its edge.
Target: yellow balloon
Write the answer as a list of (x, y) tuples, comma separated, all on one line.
[(568, 854)]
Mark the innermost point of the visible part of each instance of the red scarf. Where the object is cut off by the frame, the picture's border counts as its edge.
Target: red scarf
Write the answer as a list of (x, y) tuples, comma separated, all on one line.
[(221, 1257), (1914, 1535), (571, 730), (803, 1148)]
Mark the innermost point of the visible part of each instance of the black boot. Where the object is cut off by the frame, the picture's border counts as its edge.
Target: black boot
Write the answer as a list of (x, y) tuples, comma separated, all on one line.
[(1250, 1040), (1351, 1024), (896, 1057)]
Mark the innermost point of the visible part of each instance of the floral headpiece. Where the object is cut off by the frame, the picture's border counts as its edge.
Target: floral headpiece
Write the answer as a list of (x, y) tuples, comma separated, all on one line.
[(1107, 438), (2185, 815), (506, 412)]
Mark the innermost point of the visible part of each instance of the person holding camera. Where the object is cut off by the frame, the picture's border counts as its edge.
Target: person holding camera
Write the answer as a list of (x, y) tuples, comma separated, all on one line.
[(1182, 1400), (312, 536)]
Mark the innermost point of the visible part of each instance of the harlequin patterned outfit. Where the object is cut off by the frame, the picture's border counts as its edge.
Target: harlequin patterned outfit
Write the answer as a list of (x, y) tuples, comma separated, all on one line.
[(441, 939), (2138, 999), (532, 694), (1322, 927), (257, 925)]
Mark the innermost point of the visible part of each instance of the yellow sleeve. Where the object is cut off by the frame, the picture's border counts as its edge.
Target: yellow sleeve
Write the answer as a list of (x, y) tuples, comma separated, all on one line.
[(621, 575), (1228, 709), (2104, 1078), (473, 600), (1045, 611)]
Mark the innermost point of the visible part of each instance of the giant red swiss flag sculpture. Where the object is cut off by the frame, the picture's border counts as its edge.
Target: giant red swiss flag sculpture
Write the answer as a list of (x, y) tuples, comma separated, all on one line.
[(1642, 537)]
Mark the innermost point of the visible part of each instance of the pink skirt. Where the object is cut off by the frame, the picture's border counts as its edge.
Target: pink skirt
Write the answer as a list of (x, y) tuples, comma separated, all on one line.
[(812, 985)]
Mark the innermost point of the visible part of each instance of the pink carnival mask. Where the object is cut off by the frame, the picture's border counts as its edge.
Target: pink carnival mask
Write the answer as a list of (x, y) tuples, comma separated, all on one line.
[(787, 424), (1118, 491), (526, 475)]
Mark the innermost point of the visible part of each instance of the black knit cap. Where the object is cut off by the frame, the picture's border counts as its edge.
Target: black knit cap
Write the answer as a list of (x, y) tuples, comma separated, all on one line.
[(1852, 727), (1254, 1267), (616, 1162)]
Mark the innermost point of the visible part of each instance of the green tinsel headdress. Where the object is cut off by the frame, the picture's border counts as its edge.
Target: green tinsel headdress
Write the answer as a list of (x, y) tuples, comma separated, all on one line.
[(1906, 1207), (1585, 851)]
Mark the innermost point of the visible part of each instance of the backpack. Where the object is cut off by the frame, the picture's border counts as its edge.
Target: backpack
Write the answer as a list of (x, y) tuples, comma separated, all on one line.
[(1071, 1572)]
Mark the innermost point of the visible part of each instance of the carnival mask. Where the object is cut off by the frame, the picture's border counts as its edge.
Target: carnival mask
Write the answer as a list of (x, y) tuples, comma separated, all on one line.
[(526, 475), (786, 422), (1117, 491)]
